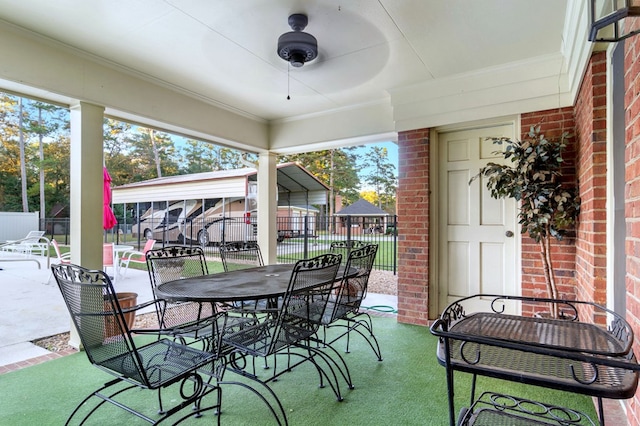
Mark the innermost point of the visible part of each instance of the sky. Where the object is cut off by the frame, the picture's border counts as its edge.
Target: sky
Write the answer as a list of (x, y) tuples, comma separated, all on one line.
[(392, 152), (365, 168)]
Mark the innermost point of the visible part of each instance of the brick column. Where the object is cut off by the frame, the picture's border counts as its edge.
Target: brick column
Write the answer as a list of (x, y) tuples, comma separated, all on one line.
[(632, 200), (591, 135), (413, 226)]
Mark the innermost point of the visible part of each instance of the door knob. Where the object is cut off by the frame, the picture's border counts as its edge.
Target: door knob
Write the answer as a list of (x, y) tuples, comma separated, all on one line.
[(509, 234)]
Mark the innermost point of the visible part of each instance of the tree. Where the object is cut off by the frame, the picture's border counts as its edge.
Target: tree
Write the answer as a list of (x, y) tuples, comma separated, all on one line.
[(336, 168), (23, 157), (382, 177), (549, 207), (118, 148), (156, 154), (9, 155), (27, 127), (198, 158), (201, 156), (153, 154), (48, 120), (370, 196)]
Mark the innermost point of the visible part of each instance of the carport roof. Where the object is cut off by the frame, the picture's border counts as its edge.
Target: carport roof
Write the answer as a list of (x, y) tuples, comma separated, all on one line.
[(291, 178)]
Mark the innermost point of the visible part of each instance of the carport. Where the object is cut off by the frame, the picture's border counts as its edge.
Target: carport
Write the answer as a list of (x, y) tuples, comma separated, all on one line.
[(297, 187)]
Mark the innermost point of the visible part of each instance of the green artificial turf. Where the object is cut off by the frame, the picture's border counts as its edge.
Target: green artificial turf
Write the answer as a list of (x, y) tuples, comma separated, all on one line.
[(407, 388)]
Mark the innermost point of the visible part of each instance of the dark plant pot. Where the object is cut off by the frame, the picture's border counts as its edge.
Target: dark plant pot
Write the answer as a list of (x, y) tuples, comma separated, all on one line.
[(126, 300)]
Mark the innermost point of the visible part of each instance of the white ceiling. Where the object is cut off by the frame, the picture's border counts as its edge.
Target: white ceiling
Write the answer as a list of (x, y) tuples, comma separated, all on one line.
[(224, 51)]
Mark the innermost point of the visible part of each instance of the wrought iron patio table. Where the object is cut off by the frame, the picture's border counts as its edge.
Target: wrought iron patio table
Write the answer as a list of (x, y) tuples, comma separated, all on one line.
[(565, 353), (263, 282), (268, 282)]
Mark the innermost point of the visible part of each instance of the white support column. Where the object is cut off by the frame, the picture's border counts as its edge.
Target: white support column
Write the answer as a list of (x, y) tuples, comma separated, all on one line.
[(267, 206), (86, 189), (86, 185)]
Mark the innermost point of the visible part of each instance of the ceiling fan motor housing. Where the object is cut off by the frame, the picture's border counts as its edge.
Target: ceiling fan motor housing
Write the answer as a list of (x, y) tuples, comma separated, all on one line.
[(297, 47)]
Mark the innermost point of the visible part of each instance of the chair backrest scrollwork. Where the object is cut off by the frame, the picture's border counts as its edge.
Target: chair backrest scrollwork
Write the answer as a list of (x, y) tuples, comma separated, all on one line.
[(240, 255)]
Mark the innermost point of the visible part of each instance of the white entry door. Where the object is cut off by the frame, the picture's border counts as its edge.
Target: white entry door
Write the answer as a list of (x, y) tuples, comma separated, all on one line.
[(477, 233)]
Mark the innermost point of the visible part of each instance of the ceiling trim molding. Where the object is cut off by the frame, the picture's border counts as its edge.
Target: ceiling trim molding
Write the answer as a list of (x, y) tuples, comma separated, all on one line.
[(48, 69), (353, 126), (577, 48), (82, 54), (339, 143), (529, 85)]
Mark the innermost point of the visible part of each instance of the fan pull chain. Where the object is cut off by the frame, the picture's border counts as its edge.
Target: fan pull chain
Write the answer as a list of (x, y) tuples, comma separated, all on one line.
[(288, 80)]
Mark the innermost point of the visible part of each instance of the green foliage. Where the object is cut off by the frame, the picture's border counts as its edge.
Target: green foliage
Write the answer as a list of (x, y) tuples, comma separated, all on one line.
[(336, 168), (133, 153), (198, 157), (44, 127), (382, 178), (548, 206)]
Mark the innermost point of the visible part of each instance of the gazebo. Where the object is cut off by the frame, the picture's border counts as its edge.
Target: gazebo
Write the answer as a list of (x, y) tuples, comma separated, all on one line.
[(364, 216)]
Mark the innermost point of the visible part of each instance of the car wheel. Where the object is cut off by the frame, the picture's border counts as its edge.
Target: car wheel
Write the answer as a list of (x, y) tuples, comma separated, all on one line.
[(203, 238), (148, 234)]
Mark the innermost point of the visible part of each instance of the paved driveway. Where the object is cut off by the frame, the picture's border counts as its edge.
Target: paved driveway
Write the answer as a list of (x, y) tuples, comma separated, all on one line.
[(31, 306)]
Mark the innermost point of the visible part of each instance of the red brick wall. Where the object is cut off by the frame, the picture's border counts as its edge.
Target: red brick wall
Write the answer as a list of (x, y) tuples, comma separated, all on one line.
[(632, 198), (591, 132), (552, 123), (413, 226), (580, 261)]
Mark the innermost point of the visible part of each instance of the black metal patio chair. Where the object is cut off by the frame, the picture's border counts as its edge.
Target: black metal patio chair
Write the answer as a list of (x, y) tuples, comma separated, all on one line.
[(110, 345), (194, 322), (181, 319), (240, 255), (295, 323), (344, 309), (344, 247)]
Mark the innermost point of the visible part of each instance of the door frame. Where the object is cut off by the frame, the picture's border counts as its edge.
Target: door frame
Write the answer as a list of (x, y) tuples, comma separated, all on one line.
[(434, 199)]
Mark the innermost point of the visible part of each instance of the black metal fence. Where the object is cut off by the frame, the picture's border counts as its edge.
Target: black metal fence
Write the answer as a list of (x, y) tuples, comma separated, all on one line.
[(299, 237), (310, 236)]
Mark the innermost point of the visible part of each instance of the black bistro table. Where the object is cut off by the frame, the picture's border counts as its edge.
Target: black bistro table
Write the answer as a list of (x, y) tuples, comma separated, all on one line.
[(263, 282), (268, 282), (260, 283)]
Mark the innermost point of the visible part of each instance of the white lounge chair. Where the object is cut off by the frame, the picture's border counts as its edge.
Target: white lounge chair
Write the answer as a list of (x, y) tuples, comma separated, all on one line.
[(34, 242)]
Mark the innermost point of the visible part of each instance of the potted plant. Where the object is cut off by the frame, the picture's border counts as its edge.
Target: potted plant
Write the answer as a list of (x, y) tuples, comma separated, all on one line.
[(549, 207)]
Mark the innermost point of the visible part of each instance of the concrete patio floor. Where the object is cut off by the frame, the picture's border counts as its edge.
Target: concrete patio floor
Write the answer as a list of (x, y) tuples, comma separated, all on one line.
[(31, 306)]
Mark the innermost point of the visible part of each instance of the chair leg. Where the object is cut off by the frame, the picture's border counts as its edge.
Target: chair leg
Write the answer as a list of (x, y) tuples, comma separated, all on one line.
[(332, 365), (236, 362), (353, 324)]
